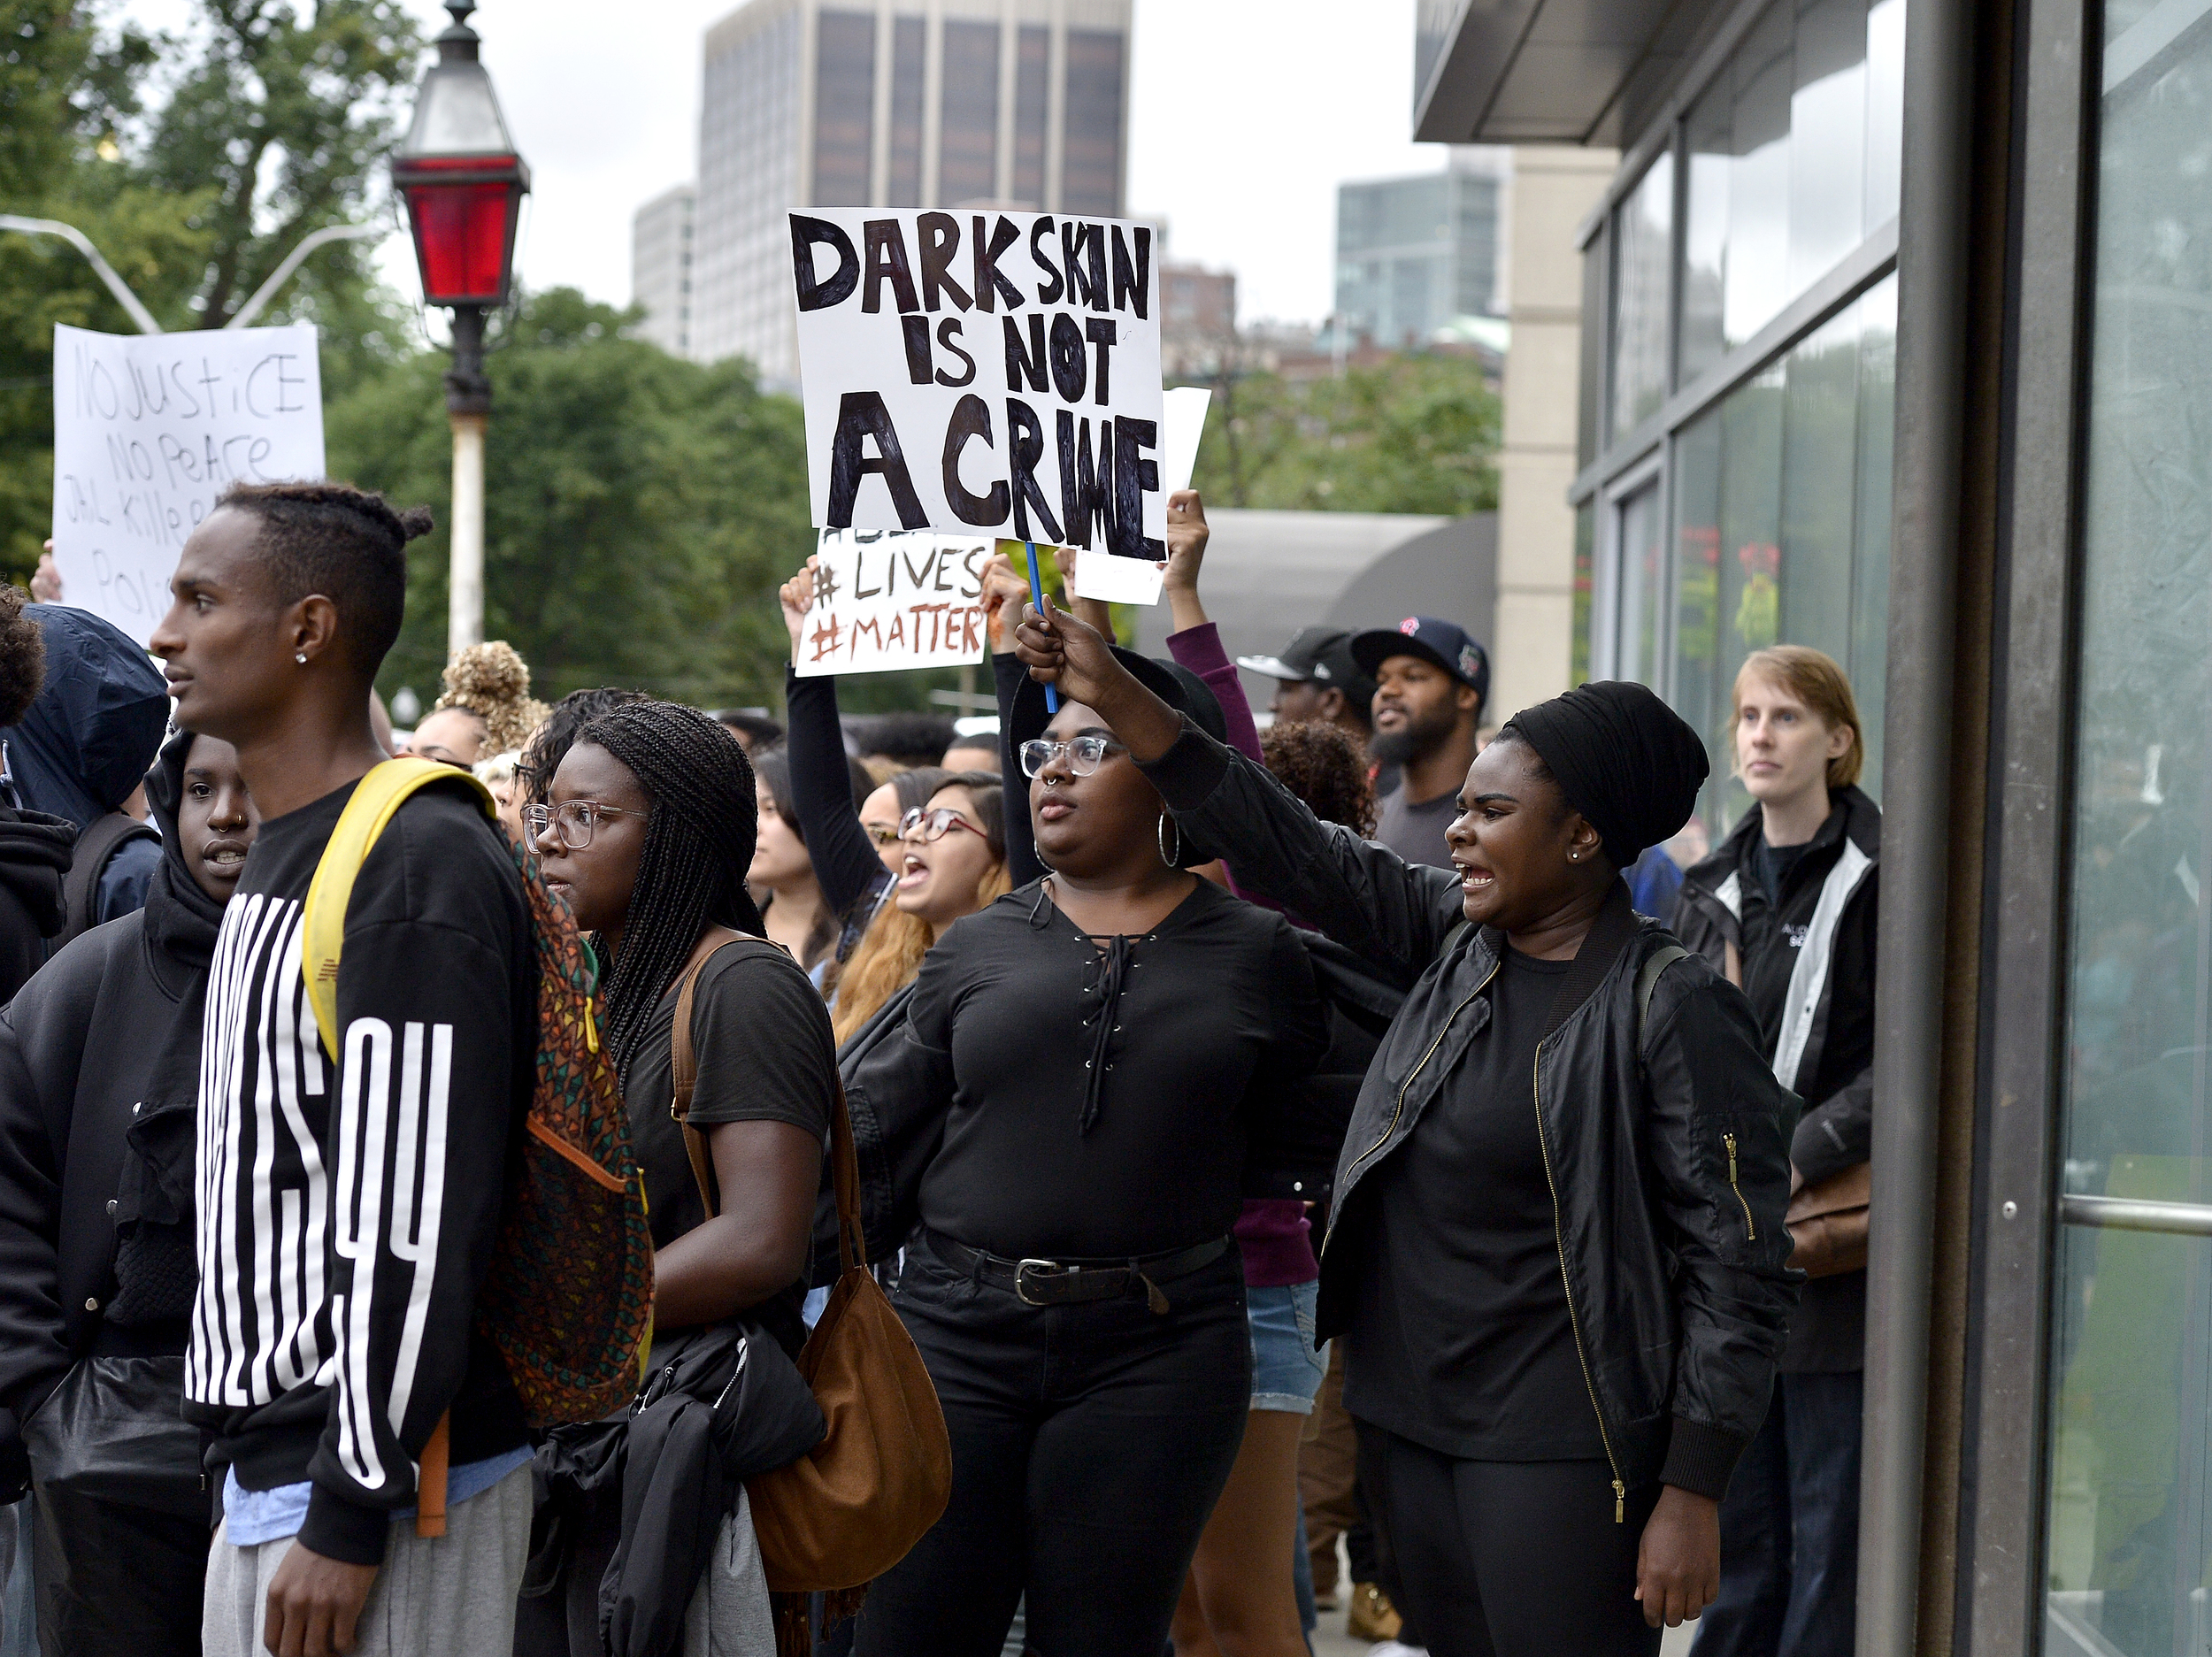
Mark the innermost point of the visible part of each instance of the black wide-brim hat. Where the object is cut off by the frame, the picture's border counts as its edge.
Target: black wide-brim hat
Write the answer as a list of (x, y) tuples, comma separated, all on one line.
[(1172, 682)]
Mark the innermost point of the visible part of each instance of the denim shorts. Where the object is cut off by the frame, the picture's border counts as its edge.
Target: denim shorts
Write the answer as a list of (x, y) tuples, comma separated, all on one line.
[(1287, 1368)]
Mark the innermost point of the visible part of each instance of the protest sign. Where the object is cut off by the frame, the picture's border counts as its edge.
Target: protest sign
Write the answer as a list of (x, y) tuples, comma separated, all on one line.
[(1138, 581), (982, 372), (149, 429), (890, 600)]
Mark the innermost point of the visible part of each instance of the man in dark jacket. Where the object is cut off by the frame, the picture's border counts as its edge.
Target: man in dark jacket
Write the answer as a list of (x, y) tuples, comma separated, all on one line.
[(82, 750), (1785, 908), (34, 848), (95, 1143)]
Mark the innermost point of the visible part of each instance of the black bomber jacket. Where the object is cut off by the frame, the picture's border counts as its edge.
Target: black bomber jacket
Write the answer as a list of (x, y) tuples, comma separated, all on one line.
[(1667, 1145)]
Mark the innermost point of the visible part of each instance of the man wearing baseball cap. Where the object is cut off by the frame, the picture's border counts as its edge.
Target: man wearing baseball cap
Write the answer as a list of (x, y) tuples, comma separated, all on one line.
[(1316, 678), (1430, 680)]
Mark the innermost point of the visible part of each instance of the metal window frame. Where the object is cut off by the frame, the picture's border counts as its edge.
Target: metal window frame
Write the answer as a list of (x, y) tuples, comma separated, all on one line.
[(2019, 1211), (1608, 572)]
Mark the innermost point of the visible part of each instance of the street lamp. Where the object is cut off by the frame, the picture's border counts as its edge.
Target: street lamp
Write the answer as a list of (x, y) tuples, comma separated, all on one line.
[(463, 185)]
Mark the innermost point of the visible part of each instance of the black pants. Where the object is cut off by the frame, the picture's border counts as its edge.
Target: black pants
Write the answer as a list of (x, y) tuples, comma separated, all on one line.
[(1088, 1446), (1510, 1559)]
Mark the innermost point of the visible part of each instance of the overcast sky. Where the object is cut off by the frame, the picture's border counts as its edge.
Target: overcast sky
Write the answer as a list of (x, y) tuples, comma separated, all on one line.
[(1245, 116)]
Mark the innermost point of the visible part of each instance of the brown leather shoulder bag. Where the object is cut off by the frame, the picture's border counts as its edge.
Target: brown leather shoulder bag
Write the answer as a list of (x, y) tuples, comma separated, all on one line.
[(1828, 1222)]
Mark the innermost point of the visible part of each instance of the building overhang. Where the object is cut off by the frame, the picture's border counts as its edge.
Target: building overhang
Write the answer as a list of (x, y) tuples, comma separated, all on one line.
[(1522, 71)]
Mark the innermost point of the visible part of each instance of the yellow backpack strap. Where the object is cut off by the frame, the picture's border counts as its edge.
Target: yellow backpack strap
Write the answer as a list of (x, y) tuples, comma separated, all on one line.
[(378, 795)]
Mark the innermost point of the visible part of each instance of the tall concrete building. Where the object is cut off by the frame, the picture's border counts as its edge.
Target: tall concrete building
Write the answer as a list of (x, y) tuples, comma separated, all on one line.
[(1413, 253), (660, 267), (893, 103)]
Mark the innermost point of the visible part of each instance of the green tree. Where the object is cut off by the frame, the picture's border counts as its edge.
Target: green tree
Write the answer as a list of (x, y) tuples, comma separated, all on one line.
[(276, 116), (640, 509), (1417, 435)]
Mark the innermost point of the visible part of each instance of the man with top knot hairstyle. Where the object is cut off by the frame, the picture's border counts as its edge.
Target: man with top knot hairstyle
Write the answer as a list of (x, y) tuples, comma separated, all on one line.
[(347, 1203)]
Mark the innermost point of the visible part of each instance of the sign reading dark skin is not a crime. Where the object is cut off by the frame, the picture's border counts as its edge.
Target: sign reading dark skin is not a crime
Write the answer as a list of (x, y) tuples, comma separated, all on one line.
[(982, 371)]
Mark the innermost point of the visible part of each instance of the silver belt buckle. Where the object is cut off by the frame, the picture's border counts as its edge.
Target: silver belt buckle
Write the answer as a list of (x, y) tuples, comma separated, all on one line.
[(1044, 1267)]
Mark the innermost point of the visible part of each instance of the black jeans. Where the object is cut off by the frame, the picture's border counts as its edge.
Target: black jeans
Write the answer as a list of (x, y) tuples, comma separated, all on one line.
[(1088, 1446), (1510, 1559), (1789, 1529)]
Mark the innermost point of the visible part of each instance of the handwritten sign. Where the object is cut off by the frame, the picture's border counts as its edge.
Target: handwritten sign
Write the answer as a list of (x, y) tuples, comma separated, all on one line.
[(149, 429), (982, 372), (890, 600)]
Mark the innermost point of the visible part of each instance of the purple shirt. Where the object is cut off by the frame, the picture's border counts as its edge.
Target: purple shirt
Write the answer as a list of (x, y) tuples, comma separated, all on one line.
[(1272, 1232)]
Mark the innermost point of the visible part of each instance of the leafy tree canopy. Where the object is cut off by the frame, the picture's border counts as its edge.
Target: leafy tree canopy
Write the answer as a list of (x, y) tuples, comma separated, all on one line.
[(195, 161), (1418, 433), (640, 509)]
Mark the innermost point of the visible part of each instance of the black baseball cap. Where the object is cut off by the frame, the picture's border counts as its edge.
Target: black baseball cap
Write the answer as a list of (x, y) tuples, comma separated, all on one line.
[(1319, 656), (1444, 643)]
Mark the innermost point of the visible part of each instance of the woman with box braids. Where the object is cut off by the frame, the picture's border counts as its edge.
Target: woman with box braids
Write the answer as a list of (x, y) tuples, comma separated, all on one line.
[(648, 829), (698, 844)]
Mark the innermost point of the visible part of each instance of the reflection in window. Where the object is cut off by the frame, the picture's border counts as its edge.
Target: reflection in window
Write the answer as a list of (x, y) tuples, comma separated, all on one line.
[(844, 107), (909, 39), (2128, 1547), (1032, 69), (967, 141), (1090, 171), (1793, 156), (1643, 551), (1586, 535), (1781, 510), (1643, 239), (1593, 362)]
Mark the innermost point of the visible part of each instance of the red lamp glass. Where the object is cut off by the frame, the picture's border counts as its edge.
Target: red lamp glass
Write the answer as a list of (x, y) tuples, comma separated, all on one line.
[(460, 176)]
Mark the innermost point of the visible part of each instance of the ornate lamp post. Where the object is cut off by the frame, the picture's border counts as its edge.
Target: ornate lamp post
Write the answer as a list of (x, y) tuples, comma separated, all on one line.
[(463, 185)]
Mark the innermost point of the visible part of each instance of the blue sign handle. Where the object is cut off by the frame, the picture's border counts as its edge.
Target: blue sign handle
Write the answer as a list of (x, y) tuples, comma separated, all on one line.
[(1037, 597)]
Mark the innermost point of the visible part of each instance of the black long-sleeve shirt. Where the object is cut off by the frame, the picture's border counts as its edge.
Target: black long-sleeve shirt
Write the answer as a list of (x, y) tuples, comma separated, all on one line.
[(1096, 1101), (346, 1212), (846, 866)]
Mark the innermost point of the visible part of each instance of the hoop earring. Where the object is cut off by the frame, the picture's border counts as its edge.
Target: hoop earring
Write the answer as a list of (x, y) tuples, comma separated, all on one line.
[(1159, 834)]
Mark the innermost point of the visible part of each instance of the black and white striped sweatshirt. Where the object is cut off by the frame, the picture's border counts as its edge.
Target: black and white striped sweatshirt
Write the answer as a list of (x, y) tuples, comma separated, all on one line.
[(347, 1213)]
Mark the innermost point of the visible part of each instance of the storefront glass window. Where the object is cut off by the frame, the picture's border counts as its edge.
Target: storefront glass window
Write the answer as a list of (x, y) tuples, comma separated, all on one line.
[(2129, 1545), (1792, 157), (1643, 241), (1781, 512)]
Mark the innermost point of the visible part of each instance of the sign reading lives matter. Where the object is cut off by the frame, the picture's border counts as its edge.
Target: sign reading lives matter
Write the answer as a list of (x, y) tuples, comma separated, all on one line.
[(983, 372), (149, 429), (891, 599)]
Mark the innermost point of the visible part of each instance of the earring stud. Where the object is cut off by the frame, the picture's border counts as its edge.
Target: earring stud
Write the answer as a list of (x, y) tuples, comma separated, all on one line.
[(300, 656)]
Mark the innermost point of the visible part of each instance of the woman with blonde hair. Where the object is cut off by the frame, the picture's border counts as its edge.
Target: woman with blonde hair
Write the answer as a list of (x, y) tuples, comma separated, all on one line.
[(1785, 908), (484, 707)]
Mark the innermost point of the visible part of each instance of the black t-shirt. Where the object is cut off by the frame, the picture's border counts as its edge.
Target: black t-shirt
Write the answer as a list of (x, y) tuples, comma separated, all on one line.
[(1772, 865), (765, 1054), (1200, 1032), (1460, 1338)]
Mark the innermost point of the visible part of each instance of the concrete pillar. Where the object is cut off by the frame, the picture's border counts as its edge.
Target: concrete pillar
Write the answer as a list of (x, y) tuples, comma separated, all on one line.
[(1554, 187)]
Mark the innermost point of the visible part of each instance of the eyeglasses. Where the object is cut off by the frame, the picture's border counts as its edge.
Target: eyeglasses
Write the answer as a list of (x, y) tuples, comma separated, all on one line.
[(1085, 753), (575, 819), (934, 824), (885, 834)]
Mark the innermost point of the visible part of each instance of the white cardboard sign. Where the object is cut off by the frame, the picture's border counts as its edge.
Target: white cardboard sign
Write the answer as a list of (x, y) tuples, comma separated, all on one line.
[(884, 601), (983, 372), (149, 429)]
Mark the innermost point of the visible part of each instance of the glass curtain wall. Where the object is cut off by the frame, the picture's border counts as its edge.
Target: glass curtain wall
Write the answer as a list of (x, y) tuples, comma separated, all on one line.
[(2129, 1537), (1768, 520), (1781, 535)]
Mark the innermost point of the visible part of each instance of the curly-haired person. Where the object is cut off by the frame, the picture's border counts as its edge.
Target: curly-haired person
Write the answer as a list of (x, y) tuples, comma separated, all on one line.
[(485, 707), (1323, 765)]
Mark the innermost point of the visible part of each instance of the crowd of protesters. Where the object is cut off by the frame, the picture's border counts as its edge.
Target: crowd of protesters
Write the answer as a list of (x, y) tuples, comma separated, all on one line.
[(1354, 1155)]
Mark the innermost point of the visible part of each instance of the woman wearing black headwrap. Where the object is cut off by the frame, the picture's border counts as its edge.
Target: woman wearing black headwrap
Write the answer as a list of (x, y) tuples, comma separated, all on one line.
[(99, 1082), (1557, 1242)]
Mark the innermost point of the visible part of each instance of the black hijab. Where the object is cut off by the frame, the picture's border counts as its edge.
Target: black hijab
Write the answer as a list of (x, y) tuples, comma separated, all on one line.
[(181, 919), (1623, 758)]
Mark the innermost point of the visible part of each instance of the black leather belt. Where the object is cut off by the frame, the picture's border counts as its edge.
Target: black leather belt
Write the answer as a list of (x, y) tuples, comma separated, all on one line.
[(1072, 1282)]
